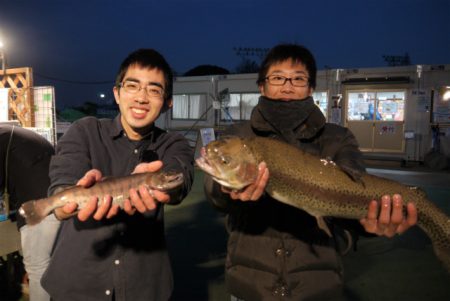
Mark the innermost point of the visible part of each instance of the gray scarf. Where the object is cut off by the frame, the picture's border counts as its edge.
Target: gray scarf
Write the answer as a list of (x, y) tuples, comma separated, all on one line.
[(286, 117)]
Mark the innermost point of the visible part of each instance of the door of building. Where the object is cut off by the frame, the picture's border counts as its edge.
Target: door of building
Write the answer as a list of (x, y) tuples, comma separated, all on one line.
[(376, 118)]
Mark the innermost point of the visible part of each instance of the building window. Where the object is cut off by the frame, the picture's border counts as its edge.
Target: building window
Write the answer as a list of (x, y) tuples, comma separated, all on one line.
[(321, 100), (189, 106), (238, 106), (376, 105)]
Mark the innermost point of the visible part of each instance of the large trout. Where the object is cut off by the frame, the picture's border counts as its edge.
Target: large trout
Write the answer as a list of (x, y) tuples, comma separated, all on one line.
[(118, 188), (316, 186)]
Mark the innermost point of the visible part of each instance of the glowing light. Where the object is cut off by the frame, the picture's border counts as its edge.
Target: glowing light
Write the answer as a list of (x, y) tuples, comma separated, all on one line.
[(446, 94)]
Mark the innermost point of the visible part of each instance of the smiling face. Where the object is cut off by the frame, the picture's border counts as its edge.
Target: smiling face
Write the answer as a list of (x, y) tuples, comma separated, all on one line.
[(140, 110), (286, 92)]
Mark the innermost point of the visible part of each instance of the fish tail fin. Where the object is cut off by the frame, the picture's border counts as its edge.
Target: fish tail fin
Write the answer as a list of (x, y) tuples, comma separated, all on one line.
[(34, 211)]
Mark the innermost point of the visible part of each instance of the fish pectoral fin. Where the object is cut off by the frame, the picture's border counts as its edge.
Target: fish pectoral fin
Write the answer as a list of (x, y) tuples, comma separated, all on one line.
[(351, 170), (323, 225)]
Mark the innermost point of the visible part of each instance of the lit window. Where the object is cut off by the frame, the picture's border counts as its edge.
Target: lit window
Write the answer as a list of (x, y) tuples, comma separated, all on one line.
[(189, 106), (321, 100), (378, 105), (239, 106)]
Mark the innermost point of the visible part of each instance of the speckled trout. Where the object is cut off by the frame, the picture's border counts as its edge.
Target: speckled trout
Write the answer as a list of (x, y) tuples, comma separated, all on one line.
[(118, 188), (316, 186)]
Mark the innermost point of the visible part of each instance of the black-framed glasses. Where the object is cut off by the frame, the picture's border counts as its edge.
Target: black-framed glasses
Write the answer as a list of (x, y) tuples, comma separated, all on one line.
[(134, 87), (279, 80)]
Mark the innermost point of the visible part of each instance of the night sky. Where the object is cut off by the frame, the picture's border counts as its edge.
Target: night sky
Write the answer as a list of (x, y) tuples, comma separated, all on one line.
[(81, 43)]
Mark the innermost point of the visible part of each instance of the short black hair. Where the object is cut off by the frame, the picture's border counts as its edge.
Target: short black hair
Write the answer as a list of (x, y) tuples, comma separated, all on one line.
[(284, 52), (148, 58)]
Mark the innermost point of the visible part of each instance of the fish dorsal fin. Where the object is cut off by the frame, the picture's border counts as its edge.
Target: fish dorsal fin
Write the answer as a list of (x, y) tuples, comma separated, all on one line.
[(354, 174)]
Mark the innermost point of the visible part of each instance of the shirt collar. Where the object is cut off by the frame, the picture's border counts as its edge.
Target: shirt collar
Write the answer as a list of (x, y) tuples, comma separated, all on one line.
[(117, 130)]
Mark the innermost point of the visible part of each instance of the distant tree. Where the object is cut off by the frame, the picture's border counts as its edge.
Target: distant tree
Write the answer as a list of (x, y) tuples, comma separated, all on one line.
[(88, 108), (397, 60), (250, 56), (70, 115), (247, 66), (206, 70)]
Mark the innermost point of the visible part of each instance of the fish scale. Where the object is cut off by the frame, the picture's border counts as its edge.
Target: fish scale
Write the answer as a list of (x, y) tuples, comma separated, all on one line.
[(118, 188), (317, 186)]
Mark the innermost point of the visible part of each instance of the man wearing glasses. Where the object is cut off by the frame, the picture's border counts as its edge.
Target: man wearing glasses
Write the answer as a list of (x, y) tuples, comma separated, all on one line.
[(104, 253), (276, 251)]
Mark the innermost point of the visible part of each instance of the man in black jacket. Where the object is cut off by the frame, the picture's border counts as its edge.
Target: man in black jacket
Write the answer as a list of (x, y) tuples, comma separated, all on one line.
[(105, 253), (275, 251)]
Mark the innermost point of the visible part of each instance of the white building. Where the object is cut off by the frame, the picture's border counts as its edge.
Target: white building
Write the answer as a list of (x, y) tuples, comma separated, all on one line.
[(409, 101)]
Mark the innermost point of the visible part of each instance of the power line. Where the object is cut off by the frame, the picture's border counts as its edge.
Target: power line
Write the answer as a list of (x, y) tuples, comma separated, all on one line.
[(73, 81)]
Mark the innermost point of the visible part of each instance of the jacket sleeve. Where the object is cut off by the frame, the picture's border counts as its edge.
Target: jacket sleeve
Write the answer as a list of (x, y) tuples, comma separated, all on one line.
[(342, 147), (179, 156)]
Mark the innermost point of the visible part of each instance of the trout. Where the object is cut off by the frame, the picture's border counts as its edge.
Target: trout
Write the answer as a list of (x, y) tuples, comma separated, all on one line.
[(315, 185), (118, 188)]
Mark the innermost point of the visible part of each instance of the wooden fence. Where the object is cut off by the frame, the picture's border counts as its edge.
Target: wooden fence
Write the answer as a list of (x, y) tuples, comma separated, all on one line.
[(20, 96)]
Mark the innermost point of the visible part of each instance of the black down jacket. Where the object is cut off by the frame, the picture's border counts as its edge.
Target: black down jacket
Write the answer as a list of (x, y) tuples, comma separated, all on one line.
[(275, 251)]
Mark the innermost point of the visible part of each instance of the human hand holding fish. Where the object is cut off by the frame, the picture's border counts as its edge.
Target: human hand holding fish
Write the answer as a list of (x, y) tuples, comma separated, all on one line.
[(254, 190), (384, 217), (90, 178), (102, 198), (390, 219), (142, 199), (145, 199), (307, 182)]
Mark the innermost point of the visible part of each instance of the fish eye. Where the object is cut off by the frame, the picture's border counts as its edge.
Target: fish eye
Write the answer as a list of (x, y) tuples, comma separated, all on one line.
[(224, 160)]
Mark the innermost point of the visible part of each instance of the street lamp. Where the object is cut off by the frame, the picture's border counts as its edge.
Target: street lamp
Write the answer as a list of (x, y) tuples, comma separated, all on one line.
[(445, 93), (2, 57)]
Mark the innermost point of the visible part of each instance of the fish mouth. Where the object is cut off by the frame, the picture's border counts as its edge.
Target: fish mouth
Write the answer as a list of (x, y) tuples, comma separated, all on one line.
[(207, 167), (217, 175), (171, 180), (204, 164)]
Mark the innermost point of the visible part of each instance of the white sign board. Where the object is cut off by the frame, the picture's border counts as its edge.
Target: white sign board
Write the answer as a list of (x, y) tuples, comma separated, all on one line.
[(422, 99), (207, 135), (4, 104)]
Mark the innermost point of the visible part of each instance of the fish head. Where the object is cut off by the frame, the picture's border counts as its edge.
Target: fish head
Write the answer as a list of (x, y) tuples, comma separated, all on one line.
[(165, 180), (230, 162)]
